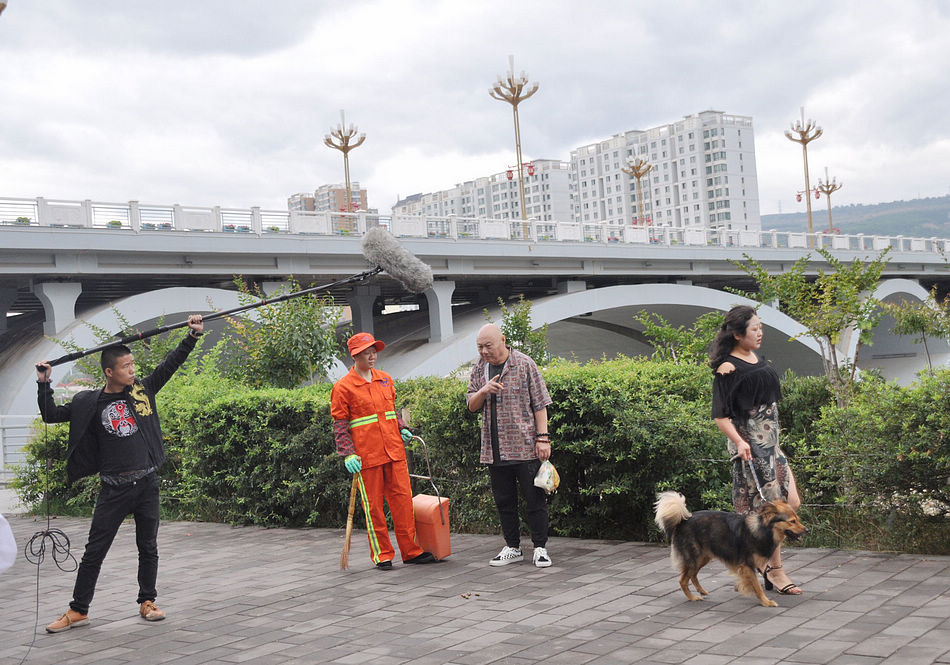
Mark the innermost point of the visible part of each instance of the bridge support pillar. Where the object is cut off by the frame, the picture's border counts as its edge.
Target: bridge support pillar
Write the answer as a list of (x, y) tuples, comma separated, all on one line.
[(439, 297), (361, 300), (7, 298), (571, 286), (271, 287), (59, 304)]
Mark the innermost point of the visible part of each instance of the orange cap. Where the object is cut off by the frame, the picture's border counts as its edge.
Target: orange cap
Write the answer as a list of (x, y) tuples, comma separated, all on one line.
[(362, 341)]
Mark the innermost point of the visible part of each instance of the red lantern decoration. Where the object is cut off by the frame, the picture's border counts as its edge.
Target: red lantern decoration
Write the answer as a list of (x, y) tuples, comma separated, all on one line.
[(530, 169), (510, 174), (817, 194), (798, 197)]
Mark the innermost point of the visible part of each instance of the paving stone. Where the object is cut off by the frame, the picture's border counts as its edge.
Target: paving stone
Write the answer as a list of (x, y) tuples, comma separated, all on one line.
[(274, 596), (853, 659), (881, 646), (915, 655), (821, 651)]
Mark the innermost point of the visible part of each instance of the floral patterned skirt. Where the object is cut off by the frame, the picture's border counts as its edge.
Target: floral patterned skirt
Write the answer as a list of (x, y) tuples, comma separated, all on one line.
[(760, 430)]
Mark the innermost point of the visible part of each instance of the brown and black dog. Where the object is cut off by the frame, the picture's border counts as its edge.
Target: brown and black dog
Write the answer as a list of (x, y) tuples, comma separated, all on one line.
[(744, 543)]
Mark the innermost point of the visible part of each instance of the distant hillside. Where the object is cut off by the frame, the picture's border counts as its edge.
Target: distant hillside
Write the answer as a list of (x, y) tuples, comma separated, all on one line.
[(923, 218)]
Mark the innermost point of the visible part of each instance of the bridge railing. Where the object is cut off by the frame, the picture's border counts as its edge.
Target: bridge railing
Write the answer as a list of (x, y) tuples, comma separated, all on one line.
[(143, 218), (14, 435)]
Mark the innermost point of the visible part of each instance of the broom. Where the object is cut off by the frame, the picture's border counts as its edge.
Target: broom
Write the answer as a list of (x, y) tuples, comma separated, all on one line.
[(345, 555)]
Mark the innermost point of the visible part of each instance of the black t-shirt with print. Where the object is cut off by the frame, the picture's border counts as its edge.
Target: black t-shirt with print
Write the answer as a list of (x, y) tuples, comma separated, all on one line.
[(122, 445)]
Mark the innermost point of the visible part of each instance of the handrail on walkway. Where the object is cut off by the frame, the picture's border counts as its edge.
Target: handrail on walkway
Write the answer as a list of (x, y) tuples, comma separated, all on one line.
[(14, 435)]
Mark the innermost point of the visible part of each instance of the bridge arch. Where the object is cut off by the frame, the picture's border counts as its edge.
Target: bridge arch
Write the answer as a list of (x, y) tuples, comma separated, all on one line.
[(21, 375), (897, 357), (668, 299)]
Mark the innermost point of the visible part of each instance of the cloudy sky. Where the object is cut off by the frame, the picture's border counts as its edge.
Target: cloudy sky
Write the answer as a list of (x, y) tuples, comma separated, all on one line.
[(226, 102)]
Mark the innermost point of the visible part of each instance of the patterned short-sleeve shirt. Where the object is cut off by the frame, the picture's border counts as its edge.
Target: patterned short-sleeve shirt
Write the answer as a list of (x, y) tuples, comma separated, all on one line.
[(523, 394)]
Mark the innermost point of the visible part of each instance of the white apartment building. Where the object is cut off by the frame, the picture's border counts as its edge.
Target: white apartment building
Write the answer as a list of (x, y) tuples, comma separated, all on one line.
[(330, 198), (703, 175), (547, 193)]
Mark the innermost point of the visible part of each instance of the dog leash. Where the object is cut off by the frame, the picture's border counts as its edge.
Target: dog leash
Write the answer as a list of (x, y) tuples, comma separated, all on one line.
[(755, 477)]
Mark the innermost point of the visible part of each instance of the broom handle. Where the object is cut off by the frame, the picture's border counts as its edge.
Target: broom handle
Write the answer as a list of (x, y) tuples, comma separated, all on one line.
[(352, 509), (349, 522)]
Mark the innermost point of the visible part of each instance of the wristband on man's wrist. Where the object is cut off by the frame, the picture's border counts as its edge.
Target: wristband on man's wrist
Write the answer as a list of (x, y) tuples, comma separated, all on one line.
[(542, 436), (195, 333)]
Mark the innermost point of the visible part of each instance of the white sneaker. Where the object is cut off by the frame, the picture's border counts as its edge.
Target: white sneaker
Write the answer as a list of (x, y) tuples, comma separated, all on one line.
[(507, 555), (541, 558)]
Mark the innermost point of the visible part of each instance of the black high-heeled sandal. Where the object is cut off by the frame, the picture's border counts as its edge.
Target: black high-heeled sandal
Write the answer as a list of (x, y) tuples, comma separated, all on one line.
[(787, 590)]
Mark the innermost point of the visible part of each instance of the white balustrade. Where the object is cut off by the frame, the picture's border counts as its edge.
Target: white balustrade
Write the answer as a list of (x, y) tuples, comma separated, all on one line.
[(144, 218)]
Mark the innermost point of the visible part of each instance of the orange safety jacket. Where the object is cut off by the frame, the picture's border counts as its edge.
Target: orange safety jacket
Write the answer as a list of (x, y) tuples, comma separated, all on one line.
[(365, 419)]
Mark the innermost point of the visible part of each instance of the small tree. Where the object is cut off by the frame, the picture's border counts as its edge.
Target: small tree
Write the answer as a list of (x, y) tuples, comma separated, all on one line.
[(286, 343), (516, 327), (680, 345), (929, 318), (831, 305)]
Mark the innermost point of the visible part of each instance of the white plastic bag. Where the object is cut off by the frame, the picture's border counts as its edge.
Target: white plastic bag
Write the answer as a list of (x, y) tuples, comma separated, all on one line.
[(7, 545), (547, 478)]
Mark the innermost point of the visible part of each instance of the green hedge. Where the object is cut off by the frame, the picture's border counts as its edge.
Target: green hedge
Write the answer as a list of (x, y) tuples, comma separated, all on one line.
[(878, 470), (622, 430)]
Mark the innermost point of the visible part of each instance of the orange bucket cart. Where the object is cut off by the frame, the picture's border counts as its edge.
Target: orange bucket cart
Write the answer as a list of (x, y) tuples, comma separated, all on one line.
[(431, 515)]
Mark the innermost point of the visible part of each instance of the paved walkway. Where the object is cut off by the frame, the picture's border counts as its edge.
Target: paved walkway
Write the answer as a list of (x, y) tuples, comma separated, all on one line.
[(263, 596)]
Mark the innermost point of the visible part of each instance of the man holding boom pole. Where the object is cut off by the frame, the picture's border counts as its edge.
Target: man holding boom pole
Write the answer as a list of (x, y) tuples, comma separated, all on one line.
[(115, 431)]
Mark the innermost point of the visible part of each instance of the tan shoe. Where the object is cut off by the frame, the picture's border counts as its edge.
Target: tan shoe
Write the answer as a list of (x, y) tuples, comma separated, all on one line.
[(150, 612), (71, 619)]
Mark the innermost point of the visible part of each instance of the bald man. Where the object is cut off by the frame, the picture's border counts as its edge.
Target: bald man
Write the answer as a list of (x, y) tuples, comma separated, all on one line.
[(507, 388)]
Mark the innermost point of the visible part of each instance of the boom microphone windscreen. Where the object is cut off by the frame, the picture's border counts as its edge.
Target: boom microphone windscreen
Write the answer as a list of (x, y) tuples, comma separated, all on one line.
[(382, 249)]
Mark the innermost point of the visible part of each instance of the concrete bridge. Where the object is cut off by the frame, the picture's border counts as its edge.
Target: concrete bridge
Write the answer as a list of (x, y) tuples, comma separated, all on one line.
[(63, 264)]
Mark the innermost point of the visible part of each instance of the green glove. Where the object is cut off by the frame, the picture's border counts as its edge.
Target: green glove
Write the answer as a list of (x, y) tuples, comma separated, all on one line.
[(406, 435), (353, 463)]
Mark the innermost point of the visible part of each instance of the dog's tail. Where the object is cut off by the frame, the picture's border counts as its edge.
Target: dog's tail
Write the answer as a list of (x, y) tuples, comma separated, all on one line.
[(670, 511)]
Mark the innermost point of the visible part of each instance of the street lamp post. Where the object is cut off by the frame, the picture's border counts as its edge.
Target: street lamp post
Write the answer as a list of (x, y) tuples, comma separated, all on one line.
[(514, 90), (804, 133), (828, 187), (340, 139), (637, 168)]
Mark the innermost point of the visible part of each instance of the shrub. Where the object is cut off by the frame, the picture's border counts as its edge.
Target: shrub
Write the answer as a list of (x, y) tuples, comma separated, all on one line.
[(621, 431), (262, 457), (285, 343), (883, 462), (43, 476), (872, 474), (624, 430), (799, 411)]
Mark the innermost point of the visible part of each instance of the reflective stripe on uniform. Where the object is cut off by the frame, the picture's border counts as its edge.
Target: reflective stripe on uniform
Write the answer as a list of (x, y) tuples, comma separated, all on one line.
[(368, 420), (370, 531), (365, 420)]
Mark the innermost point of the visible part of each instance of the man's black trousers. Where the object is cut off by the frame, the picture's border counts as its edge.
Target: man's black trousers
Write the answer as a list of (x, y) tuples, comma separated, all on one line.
[(504, 486), (115, 503)]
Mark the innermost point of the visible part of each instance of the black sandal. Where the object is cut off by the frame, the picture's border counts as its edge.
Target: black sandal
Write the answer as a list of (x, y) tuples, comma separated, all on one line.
[(786, 590)]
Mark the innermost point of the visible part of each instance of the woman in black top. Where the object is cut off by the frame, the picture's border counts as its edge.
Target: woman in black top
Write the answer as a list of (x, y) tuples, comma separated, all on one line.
[(745, 391)]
